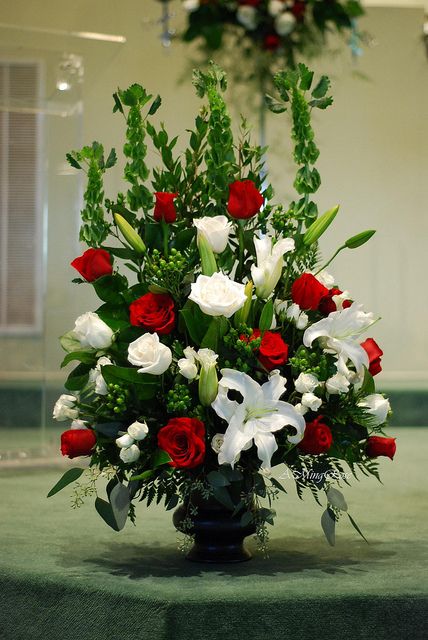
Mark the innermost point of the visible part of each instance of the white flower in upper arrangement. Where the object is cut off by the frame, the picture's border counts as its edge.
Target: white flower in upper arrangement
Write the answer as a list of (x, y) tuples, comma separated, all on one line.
[(190, 5), (300, 408), (247, 16), (93, 332), (150, 354), (96, 378), (325, 278), (339, 333), (270, 262), (130, 454), (306, 383), (256, 418), (187, 365), (311, 401), (217, 442), (293, 312), (79, 424), (215, 230), (218, 295), (285, 23), (377, 406), (338, 383), (138, 430), (124, 441), (275, 7), (65, 409)]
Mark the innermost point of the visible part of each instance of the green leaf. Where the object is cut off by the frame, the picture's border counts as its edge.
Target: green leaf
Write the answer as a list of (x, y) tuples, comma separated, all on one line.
[(321, 88), (70, 343), (109, 429), (83, 355), (368, 387), (108, 288), (111, 160), (357, 528), (336, 499), (246, 518), (321, 103), (221, 494), (72, 161), (266, 316), (76, 383), (306, 76), (328, 523), (117, 103), (155, 105), (359, 239), (196, 322), (233, 475), (116, 375), (217, 479), (274, 105), (216, 330), (69, 476), (159, 458), (172, 502), (105, 510), (277, 484), (119, 501)]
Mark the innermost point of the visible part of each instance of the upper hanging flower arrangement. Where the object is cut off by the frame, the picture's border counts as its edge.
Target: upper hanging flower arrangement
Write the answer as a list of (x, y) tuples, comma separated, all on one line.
[(222, 348), (274, 32)]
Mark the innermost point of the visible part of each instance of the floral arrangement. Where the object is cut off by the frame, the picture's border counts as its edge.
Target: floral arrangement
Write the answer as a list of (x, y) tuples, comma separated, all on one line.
[(274, 32), (222, 347)]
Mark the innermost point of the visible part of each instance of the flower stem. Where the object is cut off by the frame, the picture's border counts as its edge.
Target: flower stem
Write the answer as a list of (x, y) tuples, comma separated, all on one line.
[(331, 259)]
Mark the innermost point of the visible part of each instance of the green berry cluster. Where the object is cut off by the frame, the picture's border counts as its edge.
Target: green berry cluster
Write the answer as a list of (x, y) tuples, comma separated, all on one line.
[(178, 399), (239, 340), (117, 398), (310, 362), (167, 272), (282, 221)]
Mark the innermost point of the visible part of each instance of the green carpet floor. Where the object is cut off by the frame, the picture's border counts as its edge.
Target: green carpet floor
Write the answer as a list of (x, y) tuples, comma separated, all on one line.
[(65, 576)]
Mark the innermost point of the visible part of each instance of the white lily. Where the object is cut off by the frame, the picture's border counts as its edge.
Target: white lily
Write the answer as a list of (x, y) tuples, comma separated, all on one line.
[(260, 414), (270, 262), (339, 333)]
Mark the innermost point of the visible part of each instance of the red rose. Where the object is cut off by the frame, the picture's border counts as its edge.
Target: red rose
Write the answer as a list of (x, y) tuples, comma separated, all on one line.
[(250, 3), (154, 312), (378, 446), (184, 440), (93, 264), (273, 351), (298, 9), (245, 199), (165, 207), (374, 353), (77, 442), (327, 304), (317, 438), (307, 292), (271, 42)]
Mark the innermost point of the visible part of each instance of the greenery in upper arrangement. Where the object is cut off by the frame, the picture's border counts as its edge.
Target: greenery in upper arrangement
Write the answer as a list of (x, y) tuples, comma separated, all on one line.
[(222, 348)]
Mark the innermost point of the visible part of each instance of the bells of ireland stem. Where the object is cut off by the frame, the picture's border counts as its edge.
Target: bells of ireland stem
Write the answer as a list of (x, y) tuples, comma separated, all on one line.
[(130, 235), (208, 381), (208, 261), (241, 316)]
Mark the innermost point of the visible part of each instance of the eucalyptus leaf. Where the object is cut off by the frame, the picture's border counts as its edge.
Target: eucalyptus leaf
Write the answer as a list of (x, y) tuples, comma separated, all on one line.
[(119, 500), (246, 518), (69, 476), (105, 510), (217, 479), (328, 523), (336, 499), (221, 494), (357, 528), (109, 429)]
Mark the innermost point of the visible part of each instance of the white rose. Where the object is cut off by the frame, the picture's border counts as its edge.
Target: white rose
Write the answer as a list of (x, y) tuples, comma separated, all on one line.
[(311, 401), (150, 354), (129, 454), (65, 409), (294, 313), (306, 382), (138, 430), (302, 320), (377, 406), (338, 383), (275, 7), (285, 23), (247, 16), (91, 331), (125, 441), (96, 378), (187, 368), (218, 295), (191, 5), (217, 441), (215, 230)]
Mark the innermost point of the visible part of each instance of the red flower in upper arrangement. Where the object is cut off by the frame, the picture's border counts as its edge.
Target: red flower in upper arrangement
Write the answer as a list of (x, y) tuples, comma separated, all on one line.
[(378, 446), (271, 42), (308, 292), (245, 200), (154, 312), (165, 207), (250, 3), (298, 10), (374, 353), (317, 439), (184, 441), (77, 442), (273, 351), (93, 264), (327, 305)]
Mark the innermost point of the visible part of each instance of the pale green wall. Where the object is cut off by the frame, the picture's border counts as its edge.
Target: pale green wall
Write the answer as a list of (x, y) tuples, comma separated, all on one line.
[(373, 160)]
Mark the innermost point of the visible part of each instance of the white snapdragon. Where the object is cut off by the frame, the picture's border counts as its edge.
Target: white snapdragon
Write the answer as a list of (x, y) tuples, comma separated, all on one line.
[(217, 442), (306, 383), (93, 332), (129, 450), (247, 16), (311, 401), (96, 378), (65, 409), (78, 424), (148, 353), (191, 5), (138, 430), (187, 365), (338, 383), (130, 454), (377, 406), (275, 7), (218, 295), (300, 408), (285, 23), (215, 230), (293, 313), (270, 261)]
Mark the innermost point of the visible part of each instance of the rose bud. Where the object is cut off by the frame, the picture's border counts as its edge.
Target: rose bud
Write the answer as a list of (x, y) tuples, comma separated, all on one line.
[(374, 353), (77, 442), (184, 441), (317, 439), (271, 42), (154, 312), (138, 430), (165, 207), (378, 446), (208, 381), (307, 292), (245, 200), (93, 264)]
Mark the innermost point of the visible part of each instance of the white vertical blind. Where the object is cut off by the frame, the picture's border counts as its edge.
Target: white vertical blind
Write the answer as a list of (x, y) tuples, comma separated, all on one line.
[(20, 201)]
